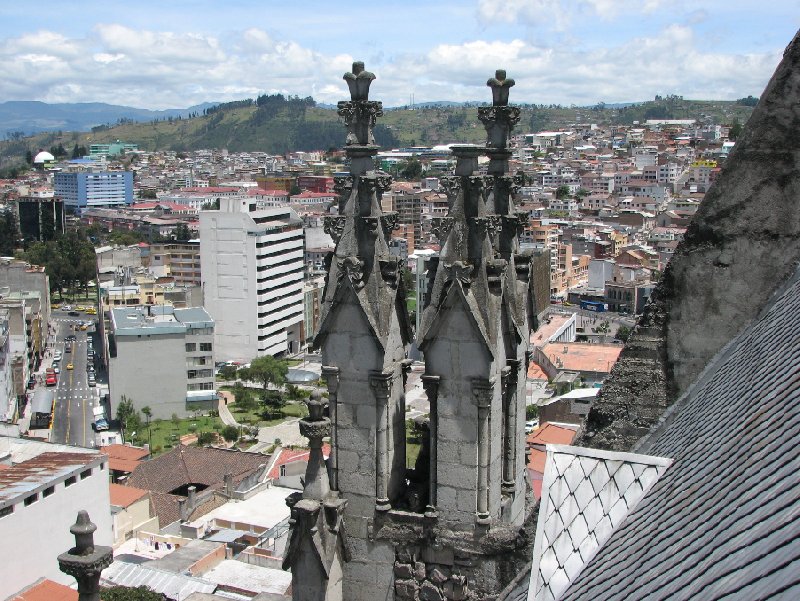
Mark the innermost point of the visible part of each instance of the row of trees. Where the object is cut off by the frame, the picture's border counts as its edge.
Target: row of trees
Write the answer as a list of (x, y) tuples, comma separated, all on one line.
[(69, 260)]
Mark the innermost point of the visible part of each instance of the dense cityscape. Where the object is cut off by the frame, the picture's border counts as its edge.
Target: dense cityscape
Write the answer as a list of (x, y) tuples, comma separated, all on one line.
[(518, 369)]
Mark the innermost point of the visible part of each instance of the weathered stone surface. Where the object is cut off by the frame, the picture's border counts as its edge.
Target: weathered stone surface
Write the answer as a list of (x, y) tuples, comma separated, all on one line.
[(429, 592), (419, 570), (437, 576), (406, 589)]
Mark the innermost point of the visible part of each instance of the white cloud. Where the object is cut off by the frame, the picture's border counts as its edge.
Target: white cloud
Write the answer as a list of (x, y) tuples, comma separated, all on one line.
[(122, 65)]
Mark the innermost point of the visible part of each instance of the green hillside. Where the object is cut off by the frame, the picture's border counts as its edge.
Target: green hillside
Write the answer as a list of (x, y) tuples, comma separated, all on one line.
[(275, 124)]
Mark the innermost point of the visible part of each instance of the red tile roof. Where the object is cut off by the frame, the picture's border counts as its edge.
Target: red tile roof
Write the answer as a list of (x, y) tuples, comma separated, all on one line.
[(46, 590), (292, 455), (125, 496)]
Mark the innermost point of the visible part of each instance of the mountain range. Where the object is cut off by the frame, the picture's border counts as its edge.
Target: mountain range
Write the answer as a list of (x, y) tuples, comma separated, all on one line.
[(31, 116)]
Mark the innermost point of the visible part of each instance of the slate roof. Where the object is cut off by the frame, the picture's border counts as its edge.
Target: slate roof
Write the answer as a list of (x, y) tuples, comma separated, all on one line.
[(586, 494), (724, 520)]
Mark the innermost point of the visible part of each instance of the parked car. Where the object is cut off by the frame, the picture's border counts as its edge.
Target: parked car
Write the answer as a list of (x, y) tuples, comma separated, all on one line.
[(51, 379)]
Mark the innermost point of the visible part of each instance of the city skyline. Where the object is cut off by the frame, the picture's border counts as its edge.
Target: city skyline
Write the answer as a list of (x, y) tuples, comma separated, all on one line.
[(560, 51)]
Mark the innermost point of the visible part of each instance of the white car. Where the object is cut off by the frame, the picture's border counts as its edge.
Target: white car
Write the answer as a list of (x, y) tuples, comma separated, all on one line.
[(531, 425)]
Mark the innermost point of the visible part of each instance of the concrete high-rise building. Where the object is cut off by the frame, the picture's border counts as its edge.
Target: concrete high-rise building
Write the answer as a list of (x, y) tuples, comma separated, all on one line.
[(88, 189), (252, 278), (163, 358)]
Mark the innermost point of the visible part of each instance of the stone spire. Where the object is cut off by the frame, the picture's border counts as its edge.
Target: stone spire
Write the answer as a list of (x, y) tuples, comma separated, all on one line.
[(317, 541), (85, 561), (364, 336)]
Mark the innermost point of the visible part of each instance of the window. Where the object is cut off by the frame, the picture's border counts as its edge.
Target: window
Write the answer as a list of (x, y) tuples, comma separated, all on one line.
[(4, 511), (31, 500), (86, 473), (205, 346), (69, 481), (191, 347), (48, 491)]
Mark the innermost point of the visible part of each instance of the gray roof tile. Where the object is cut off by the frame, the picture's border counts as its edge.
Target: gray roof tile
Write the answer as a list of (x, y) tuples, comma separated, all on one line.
[(724, 520)]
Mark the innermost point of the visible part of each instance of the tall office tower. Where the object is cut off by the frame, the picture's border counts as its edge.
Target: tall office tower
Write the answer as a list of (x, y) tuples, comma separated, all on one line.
[(252, 278), (88, 189)]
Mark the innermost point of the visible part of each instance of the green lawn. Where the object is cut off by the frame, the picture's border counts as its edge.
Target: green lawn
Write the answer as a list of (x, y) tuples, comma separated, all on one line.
[(255, 417), (166, 433)]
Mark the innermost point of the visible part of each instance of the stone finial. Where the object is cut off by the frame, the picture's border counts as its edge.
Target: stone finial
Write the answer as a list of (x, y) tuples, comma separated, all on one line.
[(316, 427), (359, 81), (85, 561), (500, 87)]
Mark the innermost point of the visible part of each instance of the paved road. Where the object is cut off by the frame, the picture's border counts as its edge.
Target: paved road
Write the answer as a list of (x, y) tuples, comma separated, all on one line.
[(75, 399)]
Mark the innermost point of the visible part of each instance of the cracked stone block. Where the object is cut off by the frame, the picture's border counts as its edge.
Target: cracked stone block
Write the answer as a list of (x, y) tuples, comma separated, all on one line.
[(403, 570)]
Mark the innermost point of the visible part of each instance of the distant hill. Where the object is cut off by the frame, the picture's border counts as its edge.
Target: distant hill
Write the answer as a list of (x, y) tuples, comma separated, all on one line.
[(32, 117), (275, 124)]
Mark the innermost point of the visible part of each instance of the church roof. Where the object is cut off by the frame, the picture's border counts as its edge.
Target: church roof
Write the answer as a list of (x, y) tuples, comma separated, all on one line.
[(723, 521)]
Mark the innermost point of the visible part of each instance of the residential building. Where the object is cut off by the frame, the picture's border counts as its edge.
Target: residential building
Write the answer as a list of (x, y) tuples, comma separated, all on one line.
[(87, 189), (42, 488), (312, 306), (131, 510), (163, 358), (8, 396), (252, 278), (178, 260)]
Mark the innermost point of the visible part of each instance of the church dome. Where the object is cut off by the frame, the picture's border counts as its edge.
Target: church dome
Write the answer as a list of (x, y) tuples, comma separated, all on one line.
[(43, 157)]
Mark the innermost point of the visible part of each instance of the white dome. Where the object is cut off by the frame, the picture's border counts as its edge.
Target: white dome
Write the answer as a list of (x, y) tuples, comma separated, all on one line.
[(43, 157)]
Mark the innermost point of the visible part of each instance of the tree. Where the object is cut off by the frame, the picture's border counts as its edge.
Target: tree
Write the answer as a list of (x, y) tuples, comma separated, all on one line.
[(228, 373), (126, 593), (127, 416), (205, 438), (623, 332), (411, 169), (244, 397), (182, 232), (562, 191), (230, 433), (735, 131), (266, 370), (9, 239), (148, 193)]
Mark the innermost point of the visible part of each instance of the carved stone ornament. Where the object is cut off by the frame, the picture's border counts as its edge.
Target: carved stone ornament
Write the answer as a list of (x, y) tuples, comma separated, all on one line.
[(371, 224), (500, 85), (360, 117), (343, 184), (353, 268), (359, 81), (389, 223), (441, 226), (451, 184), (522, 264), (334, 226), (494, 273), (383, 182), (390, 270), (492, 226), (459, 271)]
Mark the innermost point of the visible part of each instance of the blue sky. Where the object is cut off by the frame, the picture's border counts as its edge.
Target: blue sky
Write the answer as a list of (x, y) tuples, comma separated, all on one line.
[(178, 53)]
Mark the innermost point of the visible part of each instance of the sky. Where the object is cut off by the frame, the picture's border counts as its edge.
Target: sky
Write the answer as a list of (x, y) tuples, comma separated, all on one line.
[(178, 53)]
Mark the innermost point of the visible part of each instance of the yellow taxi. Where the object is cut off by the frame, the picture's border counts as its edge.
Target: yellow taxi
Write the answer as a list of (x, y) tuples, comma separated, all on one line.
[(91, 311), (70, 366)]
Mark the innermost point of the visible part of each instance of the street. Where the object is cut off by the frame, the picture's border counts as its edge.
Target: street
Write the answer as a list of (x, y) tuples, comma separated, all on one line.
[(75, 399)]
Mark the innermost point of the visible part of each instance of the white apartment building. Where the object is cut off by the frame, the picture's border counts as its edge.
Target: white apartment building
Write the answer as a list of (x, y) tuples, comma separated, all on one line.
[(252, 278), (42, 488)]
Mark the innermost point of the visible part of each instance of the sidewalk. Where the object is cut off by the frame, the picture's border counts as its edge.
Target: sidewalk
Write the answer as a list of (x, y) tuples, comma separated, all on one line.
[(224, 413)]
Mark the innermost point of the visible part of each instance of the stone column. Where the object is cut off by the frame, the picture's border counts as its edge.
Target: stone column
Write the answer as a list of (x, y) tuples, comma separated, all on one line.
[(482, 391), (381, 384), (84, 561), (510, 377), (331, 375), (431, 386)]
